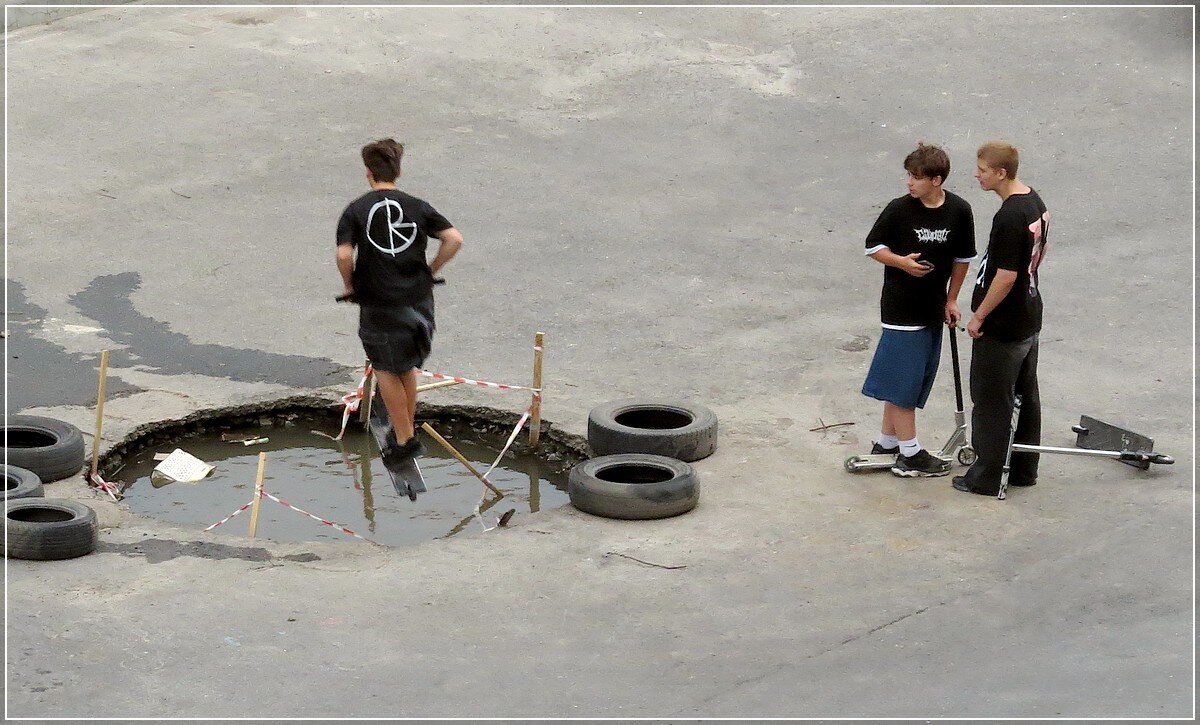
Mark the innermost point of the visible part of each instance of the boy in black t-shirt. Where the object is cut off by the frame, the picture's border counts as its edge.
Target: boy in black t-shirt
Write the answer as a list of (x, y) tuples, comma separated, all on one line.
[(925, 239), (1007, 303), (392, 282)]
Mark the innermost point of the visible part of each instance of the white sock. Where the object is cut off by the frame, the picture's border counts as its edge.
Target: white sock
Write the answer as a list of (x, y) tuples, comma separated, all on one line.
[(909, 448), (888, 441)]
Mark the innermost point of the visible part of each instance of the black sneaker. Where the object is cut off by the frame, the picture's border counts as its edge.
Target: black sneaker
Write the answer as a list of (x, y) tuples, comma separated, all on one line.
[(398, 454), (920, 463), (960, 484), (877, 449)]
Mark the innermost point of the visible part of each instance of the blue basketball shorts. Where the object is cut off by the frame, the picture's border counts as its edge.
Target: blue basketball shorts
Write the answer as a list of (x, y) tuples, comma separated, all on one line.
[(905, 364)]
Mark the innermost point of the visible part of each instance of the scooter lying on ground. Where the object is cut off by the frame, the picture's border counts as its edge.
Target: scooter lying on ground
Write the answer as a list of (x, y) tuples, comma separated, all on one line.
[(1093, 438), (956, 447)]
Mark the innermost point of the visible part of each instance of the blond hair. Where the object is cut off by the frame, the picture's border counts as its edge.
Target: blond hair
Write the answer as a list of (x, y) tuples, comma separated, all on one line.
[(1000, 155)]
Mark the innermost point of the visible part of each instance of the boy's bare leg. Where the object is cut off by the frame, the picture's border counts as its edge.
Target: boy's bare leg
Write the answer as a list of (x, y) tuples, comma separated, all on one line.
[(410, 390), (395, 395), (888, 429), (903, 421)]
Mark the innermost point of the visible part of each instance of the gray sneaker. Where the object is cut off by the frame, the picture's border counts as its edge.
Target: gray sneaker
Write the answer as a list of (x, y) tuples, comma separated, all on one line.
[(920, 463)]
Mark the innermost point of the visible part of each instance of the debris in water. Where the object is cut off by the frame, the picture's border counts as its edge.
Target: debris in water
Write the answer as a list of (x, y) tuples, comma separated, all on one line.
[(181, 467)]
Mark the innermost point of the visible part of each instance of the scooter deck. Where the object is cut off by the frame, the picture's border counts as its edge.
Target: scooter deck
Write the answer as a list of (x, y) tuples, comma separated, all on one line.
[(406, 477), (880, 461), (1097, 435)]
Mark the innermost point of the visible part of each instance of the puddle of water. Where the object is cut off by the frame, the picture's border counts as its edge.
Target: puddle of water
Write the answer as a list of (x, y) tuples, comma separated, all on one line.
[(344, 482)]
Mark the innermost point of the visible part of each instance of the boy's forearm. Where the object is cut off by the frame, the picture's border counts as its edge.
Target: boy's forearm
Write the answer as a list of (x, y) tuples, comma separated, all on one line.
[(346, 268), (956, 280), (451, 241), (1001, 285)]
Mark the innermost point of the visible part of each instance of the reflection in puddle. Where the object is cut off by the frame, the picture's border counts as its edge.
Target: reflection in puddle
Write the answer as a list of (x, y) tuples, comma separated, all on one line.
[(344, 482)]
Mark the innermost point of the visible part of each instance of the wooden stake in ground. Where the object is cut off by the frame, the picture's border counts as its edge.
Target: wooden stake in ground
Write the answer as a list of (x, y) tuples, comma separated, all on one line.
[(461, 459), (535, 419), (438, 384), (364, 407), (258, 493), (99, 411)]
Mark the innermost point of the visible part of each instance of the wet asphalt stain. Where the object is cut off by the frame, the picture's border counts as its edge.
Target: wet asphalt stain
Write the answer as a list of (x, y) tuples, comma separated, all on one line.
[(157, 551), (41, 373), (107, 300)]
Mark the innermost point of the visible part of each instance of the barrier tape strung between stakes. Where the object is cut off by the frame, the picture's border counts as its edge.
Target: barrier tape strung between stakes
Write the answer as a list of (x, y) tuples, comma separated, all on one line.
[(353, 400), (512, 437), (235, 513), (468, 381), (339, 527)]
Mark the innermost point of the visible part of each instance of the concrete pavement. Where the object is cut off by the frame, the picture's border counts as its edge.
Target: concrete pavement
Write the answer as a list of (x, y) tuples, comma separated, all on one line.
[(678, 199)]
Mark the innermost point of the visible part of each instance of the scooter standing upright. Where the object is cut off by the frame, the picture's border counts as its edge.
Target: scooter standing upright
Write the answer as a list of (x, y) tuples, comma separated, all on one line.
[(956, 447)]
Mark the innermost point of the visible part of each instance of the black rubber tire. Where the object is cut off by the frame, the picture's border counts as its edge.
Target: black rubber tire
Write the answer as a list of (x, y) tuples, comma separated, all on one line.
[(21, 483), (634, 486), (50, 528), (687, 432), (53, 449)]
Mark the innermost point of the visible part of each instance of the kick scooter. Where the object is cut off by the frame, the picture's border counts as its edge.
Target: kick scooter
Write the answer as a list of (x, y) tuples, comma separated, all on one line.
[(956, 447)]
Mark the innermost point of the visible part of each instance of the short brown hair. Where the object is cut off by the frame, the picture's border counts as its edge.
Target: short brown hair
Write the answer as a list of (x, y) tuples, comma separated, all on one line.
[(927, 162), (382, 157), (1000, 155)]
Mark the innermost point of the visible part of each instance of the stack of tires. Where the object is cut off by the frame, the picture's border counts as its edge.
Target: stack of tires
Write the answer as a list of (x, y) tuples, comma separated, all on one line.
[(39, 450), (643, 453)]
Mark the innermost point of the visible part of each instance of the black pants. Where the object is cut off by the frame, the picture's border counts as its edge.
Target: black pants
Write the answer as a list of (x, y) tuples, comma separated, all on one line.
[(999, 372)]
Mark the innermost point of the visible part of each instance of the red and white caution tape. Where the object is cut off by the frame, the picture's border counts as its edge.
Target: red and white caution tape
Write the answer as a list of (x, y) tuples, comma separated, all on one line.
[(235, 513), (339, 527), (105, 486), (352, 401), (512, 437), (468, 381), (483, 497)]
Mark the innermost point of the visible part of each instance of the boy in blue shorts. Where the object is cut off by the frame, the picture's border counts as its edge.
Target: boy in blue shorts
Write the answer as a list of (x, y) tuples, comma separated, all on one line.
[(925, 240)]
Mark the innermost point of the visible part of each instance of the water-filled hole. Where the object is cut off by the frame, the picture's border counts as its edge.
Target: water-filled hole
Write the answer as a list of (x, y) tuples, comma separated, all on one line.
[(344, 482)]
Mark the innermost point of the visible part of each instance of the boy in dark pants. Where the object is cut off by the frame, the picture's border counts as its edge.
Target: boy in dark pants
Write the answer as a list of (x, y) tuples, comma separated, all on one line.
[(392, 282), (1007, 303), (925, 239)]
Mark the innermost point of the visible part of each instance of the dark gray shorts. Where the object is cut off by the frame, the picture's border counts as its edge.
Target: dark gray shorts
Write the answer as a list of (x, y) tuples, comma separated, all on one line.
[(397, 339)]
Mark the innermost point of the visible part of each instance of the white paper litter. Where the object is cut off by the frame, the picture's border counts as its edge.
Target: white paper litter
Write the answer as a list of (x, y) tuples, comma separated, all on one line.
[(183, 467)]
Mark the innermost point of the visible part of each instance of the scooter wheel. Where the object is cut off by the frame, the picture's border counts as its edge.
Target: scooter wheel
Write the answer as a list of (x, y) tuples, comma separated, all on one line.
[(853, 464), (966, 455)]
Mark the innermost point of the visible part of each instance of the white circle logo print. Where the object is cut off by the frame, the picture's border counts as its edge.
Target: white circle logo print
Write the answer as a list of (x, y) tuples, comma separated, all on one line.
[(398, 230)]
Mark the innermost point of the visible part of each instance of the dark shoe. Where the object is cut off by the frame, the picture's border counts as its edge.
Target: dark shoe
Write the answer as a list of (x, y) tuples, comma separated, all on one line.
[(960, 484), (920, 463), (879, 450), (399, 454)]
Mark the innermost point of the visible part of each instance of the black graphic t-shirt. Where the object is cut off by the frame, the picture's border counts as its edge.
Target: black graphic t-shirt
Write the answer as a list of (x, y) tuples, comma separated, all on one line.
[(1017, 243), (390, 230), (942, 236)]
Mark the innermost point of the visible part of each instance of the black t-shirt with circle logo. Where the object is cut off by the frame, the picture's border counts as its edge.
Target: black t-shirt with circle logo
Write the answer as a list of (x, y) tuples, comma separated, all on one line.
[(390, 230), (1017, 243), (941, 235)]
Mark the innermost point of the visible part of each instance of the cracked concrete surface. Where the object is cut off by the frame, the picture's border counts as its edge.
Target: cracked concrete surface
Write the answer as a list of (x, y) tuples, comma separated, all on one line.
[(677, 197)]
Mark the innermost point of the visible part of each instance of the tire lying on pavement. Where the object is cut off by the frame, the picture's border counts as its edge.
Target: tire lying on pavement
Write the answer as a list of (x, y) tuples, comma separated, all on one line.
[(633, 486), (53, 449), (20, 483), (50, 528), (687, 432)]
